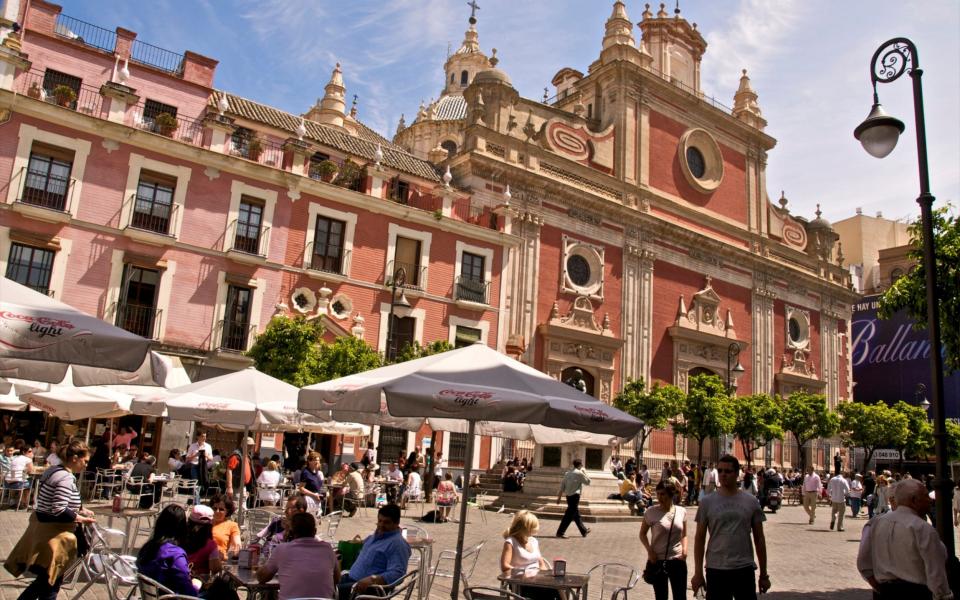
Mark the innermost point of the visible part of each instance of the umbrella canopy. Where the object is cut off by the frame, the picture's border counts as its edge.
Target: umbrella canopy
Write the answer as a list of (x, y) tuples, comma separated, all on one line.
[(9, 401), (40, 337), (74, 404), (472, 384)]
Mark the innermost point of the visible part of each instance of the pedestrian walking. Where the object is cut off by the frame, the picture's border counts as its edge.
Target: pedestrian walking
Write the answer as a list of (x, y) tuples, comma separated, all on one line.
[(856, 495), (666, 546), (900, 554), (571, 487), (710, 478), (811, 491), (869, 489), (730, 517), (838, 488)]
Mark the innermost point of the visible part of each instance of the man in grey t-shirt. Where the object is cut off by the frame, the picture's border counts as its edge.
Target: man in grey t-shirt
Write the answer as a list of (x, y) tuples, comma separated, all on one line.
[(730, 516)]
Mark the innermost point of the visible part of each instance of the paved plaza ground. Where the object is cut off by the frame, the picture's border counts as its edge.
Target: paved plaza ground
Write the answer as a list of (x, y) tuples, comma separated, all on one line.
[(806, 561)]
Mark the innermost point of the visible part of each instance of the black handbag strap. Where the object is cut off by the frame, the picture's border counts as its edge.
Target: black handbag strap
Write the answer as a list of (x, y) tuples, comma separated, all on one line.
[(666, 548)]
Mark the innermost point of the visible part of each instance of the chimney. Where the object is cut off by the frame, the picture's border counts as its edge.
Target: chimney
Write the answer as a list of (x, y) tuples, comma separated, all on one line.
[(199, 69), (124, 43)]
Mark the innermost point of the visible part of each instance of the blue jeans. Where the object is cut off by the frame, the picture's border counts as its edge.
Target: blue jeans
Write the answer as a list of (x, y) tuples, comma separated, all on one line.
[(855, 506)]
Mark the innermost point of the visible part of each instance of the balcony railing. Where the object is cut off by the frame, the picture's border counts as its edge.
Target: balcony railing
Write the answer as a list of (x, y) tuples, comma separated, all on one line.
[(56, 193), (186, 130), (424, 201), (327, 264), (155, 217), (264, 151), (244, 238), (235, 335), (414, 274), (472, 290), (468, 212), (88, 99), (139, 319), (106, 40)]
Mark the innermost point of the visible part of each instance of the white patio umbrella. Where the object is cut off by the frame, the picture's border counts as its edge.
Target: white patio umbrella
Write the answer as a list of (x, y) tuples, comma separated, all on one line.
[(473, 384), (75, 404), (40, 337)]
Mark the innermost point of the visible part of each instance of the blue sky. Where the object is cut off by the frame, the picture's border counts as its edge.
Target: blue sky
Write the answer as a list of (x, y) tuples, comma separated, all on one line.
[(808, 61)]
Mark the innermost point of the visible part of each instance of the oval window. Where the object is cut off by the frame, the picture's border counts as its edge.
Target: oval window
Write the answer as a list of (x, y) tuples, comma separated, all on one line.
[(696, 163), (795, 334), (578, 269)]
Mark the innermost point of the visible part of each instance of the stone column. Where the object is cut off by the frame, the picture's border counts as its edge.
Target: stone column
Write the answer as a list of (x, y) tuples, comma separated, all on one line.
[(830, 356), (523, 308), (763, 351)]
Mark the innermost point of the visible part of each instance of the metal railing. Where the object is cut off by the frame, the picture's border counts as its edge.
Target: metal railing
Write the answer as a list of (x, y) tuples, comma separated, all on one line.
[(88, 100), (139, 319), (260, 150), (468, 212), (235, 335), (415, 274), (472, 290), (327, 264), (424, 201), (57, 199), (157, 221), (97, 37), (187, 130), (240, 240)]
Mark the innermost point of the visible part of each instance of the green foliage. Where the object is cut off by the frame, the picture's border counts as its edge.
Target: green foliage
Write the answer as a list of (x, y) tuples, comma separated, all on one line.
[(345, 356), (953, 440), (414, 350), (872, 426), (757, 421), (909, 292), (348, 176), (707, 410), (918, 442), (656, 408), (289, 349), (806, 416)]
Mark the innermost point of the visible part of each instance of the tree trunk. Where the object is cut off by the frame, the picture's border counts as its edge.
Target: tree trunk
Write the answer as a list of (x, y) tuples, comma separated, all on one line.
[(428, 480), (869, 455), (641, 441), (803, 456), (700, 450), (748, 453)]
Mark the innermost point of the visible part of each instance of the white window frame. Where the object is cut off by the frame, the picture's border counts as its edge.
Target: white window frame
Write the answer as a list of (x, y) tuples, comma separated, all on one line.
[(454, 322), (81, 150), (399, 311), (164, 291), (316, 210), (239, 189), (139, 163), (220, 308), (486, 253), (58, 271), (425, 237)]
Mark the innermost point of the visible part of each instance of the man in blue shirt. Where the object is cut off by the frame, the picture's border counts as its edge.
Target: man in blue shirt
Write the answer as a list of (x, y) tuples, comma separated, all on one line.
[(383, 559)]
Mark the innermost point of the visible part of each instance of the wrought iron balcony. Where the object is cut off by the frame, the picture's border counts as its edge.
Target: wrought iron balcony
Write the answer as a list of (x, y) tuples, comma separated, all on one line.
[(139, 319), (472, 290), (235, 335)]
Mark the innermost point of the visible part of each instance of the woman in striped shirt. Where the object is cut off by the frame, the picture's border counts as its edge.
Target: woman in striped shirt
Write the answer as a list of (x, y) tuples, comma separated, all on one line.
[(49, 544)]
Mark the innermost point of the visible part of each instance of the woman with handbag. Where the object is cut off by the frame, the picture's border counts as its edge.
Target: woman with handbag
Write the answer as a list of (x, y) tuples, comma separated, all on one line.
[(666, 546), (51, 540)]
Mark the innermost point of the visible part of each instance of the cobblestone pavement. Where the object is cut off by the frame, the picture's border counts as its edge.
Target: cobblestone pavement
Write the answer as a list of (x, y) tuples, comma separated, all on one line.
[(806, 561)]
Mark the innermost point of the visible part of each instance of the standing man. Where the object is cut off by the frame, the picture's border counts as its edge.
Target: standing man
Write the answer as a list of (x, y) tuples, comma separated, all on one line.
[(644, 477), (900, 554), (838, 488), (837, 463), (811, 491), (730, 516), (194, 454), (710, 479), (869, 487), (572, 487)]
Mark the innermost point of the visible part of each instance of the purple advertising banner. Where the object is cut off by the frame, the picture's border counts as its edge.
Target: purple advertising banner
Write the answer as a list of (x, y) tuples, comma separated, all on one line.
[(890, 359)]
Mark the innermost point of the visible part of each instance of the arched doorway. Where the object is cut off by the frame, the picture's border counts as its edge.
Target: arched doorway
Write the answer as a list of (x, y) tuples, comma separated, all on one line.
[(572, 373)]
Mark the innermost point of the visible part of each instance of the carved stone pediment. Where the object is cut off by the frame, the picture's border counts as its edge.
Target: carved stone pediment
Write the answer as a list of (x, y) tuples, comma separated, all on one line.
[(580, 317), (796, 364), (704, 314)]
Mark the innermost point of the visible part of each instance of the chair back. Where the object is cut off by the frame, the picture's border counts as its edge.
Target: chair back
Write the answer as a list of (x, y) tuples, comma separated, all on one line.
[(415, 531), (151, 589), (117, 572), (401, 589), (333, 523), (490, 593), (615, 580), (255, 519)]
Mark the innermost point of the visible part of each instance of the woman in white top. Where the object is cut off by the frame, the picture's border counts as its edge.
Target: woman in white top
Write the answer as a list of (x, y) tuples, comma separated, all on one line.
[(521, 553), (52, 459), (883, 494), (267, 484), (856, 495), (667, 524), (413, 489)]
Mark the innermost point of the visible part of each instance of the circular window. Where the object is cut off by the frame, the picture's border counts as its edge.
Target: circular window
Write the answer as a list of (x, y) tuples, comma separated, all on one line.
[(303, 300), (698, 167), (578, 269), (795, 334), (700, 160), (341, 306)]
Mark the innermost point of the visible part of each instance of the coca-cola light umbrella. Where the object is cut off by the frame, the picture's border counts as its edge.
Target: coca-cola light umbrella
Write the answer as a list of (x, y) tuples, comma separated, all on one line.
[(475, 383)]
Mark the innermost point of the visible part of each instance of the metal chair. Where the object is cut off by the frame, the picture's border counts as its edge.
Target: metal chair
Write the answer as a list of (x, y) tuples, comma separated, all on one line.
[(401, 589), (453, 512), (107, 483), (616, 579), (135, 489), (445, 564), (255, 519), (481, 500), (333, 523), (115, 572), (7, 494), (151, 589), (90, 565), (415, 531), (490, 593)]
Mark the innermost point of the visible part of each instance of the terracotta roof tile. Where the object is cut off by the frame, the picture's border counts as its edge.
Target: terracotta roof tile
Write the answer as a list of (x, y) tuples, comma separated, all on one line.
[(362, 146)]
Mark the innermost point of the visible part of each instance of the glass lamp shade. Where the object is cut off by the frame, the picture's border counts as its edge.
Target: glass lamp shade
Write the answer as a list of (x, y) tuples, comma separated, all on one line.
[(879, 132), (738, 369)]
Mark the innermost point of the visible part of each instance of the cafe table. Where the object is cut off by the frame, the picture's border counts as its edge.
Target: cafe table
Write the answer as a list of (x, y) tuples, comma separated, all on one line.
[(247, 579), (570, 586), (424, 547), (129, 515)]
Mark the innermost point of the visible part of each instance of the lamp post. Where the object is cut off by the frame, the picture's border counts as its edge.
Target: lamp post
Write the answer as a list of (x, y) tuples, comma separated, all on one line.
[(879, 134), (733, 354), (397, 281), (922, 401)]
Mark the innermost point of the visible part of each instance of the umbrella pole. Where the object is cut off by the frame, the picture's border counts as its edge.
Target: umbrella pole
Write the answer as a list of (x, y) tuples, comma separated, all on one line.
[(89, 425), (467, 466), (243, 484)]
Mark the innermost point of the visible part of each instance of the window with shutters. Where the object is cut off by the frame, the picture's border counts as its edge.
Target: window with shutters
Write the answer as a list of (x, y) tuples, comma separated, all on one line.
[(458, 449), (328, 245), (249, 224), (30, 266), (137, 309), (393, 445), (47, 181), (153, 207), (407, 257), (236, 322)]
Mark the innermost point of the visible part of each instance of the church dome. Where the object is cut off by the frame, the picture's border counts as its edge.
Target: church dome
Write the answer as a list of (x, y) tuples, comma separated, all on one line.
[(820, 222), (493, 75)]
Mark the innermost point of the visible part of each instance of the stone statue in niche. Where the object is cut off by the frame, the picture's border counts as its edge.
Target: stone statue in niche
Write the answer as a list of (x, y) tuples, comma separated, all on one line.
[(577, 381)]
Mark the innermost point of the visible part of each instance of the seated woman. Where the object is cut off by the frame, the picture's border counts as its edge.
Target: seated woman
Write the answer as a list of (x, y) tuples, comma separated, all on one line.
[(161, 558), (202, 551), (413, 489), (446, 496), (521, 554), (510, 481), (267, 484), (148, 491), (226, 532), (339, 484)]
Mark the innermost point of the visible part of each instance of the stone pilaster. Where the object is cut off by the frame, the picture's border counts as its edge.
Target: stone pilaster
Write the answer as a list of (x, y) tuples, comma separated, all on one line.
[(523, 309), (763, 350), (830, 356)]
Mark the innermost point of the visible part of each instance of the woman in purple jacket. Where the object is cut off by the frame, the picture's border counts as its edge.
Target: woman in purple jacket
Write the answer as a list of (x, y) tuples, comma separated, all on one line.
[(162, 558)]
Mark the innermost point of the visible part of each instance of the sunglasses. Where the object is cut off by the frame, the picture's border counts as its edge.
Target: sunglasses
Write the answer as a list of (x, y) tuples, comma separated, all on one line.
[(726, 470)]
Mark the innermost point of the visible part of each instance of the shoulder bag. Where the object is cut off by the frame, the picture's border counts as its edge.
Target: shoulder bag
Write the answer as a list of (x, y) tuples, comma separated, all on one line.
[(654, 572)]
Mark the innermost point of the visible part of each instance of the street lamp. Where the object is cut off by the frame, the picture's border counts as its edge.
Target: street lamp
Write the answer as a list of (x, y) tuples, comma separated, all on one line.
[(879, 134), (397, 281), (922, 401), (733, 354)]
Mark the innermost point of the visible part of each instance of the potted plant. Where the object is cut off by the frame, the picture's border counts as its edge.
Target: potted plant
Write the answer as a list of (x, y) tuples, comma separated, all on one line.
[(254, 148), (64, 95), (166, 124), (35, 92), (349, 175), (327, 170)]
